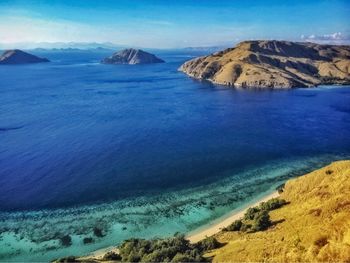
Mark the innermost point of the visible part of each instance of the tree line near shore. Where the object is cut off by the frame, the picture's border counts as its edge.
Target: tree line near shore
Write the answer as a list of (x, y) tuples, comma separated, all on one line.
[(256, 218), (179, 249)]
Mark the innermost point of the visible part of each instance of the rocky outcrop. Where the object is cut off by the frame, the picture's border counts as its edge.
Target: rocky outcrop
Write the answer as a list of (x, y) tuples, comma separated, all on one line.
[(132, 56), (16, 56), (274, 64)]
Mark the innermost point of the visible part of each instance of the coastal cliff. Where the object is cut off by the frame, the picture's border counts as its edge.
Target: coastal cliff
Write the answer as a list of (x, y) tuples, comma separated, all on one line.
[(132, 56), (16, 56), (273, 64)]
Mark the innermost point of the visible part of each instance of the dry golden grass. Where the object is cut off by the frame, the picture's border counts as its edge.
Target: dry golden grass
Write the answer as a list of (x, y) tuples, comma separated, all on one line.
[(314, 227), (280, 64)]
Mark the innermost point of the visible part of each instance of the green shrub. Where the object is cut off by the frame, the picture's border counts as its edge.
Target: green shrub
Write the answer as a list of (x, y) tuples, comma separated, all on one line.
[(256, 218), (208, 243), (249, 215), (165, 250), (156, 256), (184, 258), (280, 188), (246, 227), (261, 221), (235, 226), (272, 204), (132, 257), (111, 256)]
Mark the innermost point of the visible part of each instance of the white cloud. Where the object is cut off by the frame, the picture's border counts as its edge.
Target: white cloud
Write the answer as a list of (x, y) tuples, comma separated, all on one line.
[(337, 38)]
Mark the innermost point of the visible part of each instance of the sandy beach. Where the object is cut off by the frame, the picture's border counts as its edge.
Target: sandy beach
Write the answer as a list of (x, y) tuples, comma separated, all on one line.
[(196, 235)]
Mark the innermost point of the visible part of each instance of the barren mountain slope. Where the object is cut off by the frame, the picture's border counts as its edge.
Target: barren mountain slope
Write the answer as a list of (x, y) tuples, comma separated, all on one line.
[(274, 64), (313, 227)]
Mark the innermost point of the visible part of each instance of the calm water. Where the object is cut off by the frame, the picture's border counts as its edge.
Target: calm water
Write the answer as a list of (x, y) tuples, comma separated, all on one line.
[(144, 150)]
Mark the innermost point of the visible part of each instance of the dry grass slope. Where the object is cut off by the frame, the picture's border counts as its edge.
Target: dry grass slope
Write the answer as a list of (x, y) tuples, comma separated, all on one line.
[(314, 227), (274, 64)]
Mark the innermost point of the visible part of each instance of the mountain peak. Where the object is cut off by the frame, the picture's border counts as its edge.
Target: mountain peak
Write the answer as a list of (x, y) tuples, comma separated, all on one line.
[(274, 64), (132, 56), (17, 56)]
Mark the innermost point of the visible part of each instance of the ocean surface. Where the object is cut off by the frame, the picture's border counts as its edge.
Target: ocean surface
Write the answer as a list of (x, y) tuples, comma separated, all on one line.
[(109, 152)]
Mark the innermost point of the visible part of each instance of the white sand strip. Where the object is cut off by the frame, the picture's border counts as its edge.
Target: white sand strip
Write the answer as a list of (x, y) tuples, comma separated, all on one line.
[(213, 229)]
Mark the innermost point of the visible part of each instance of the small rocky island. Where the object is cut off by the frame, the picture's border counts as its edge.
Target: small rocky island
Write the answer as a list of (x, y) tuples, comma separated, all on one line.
[(274, 64), (16, 56), (132, 56)]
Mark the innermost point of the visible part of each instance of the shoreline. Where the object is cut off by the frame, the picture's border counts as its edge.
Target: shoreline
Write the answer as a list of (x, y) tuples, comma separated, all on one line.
[(212, 229), (202, 232)]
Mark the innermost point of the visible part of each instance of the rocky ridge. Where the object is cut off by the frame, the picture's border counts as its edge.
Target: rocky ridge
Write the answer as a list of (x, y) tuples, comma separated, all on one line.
[(273, 64), (132, 56)]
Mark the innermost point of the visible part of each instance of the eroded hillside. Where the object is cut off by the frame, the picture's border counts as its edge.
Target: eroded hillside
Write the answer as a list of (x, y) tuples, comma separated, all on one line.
[(274, 64), (313, 227)]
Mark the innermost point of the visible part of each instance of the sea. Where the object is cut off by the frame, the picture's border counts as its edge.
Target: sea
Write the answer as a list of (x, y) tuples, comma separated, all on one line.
[(93, 154)]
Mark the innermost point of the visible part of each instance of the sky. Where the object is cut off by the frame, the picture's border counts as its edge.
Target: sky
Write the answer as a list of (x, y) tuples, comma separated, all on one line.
[(173, 24)]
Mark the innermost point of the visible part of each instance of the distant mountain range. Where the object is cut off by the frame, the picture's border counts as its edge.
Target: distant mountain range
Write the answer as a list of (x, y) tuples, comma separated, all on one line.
[(73, 49), (61, 45), (76, 46)]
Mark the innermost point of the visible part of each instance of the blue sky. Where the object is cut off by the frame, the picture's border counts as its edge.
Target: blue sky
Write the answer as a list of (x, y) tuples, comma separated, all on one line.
[(168, 24)]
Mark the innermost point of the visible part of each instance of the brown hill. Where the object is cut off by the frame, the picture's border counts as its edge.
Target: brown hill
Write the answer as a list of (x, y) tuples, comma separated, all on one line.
[(132, 56), (313, 227), (16, 56), (274, 64), (312, 224)]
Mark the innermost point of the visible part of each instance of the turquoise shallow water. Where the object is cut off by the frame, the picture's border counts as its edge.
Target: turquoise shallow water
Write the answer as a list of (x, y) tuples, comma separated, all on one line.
[(113, 152), (34, 236)]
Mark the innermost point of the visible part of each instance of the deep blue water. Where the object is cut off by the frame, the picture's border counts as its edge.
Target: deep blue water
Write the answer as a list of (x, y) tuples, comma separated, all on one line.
[(74, 132)]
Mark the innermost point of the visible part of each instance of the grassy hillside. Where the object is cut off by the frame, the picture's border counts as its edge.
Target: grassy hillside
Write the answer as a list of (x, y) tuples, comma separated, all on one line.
[(273, 64), (314, 226), (309, 222)]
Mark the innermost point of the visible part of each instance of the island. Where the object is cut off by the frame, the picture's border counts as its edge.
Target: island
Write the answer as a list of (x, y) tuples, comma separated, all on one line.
[(305, 220), (132, 56), (274, 64), (16, 56)]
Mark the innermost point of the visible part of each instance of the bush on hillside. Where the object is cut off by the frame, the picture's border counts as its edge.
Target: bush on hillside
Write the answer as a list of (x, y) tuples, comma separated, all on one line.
[(256, 218), (261, 221), (280, 188), (175, 249), (235, 226), (179, 258), (208, 243), (110, 256), (251, 211), (272, 204)]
